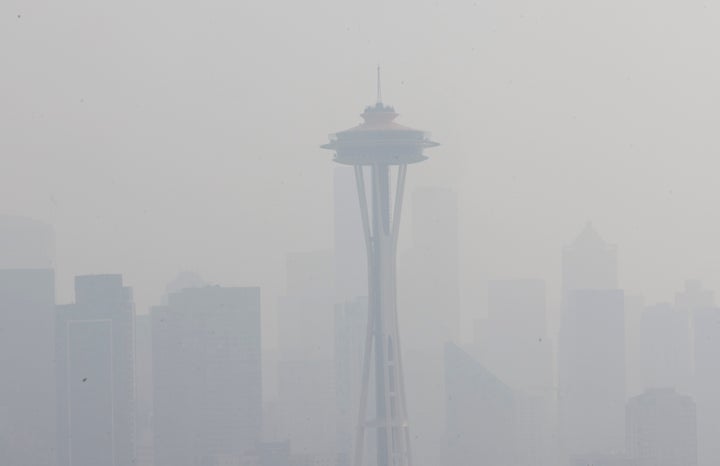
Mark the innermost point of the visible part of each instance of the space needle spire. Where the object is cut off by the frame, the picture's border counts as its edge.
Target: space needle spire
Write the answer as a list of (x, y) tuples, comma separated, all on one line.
[(380, 150)]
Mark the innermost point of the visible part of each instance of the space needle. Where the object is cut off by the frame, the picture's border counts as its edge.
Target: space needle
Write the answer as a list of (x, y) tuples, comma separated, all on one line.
[(380, 150)]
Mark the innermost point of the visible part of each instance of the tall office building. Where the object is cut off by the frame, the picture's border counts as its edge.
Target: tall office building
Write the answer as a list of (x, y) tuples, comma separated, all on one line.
[(26, 243), (429, 289), (305, 311), (350, 255), (589, 263), (592, 373), (207, 376), (27, 348), (350, 334), (305, 367), (591, 350), (707, 383), (429, 312), (662, 429), (27, 390), (95, 370), (665, 348), (481, 417), (698, 303), (143, 390)]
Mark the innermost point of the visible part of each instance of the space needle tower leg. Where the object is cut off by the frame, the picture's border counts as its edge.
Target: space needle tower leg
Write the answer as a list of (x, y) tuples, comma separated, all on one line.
[(381, 222)]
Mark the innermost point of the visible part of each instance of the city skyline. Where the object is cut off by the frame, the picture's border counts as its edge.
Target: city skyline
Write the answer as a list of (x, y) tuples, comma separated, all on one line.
[(189, 278)]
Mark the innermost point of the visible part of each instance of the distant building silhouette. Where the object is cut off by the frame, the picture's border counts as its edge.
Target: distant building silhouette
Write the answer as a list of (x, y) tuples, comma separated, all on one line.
[(26, 243), (592, 373), (350, 335), (429, 312), (350, 255), (143, 390), (591, 350), (698, 303), (666, 348), (707, 383), (207, 376), (95, 367), (481, 418), (429, 288), (589, 263), (305, 367), (305, 311), (27, 389), (662, 429)]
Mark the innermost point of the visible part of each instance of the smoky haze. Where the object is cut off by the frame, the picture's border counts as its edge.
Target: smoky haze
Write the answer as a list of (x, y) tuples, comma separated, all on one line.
[(172, 233)]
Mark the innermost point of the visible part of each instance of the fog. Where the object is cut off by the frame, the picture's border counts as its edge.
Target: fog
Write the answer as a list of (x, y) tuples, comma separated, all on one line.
[(171, 229)]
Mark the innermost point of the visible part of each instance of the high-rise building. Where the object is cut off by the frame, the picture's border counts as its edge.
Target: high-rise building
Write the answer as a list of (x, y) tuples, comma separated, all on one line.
[(481, 414), (350, 335), (305, 311), (306, 403), (592, 373), (698, 303), (27, 390), (95, 373), (662, 429), (305, 367), (591, 351), (350, 255), (707, 383), (27, 334), (26, 243), (429, 312), (382, 149), (429, 290), (207, 376), (665, 348), (589, 263), (143, 390)]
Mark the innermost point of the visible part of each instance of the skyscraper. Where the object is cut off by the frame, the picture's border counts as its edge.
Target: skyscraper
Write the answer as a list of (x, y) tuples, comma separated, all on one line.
[(27, 391), (27, 331), (592, 373), (591, 350), (143, 390), (350, 257), (350, 325), (665, 348), (305, 368), (429, 290), (379, 146), (707, 383), (589, 263), (662, 429), (208, 379), (95, 367), (429, 309)]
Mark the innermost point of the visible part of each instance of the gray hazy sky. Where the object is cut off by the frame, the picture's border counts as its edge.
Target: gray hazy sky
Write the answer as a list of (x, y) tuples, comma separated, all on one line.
[(169, 135)]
